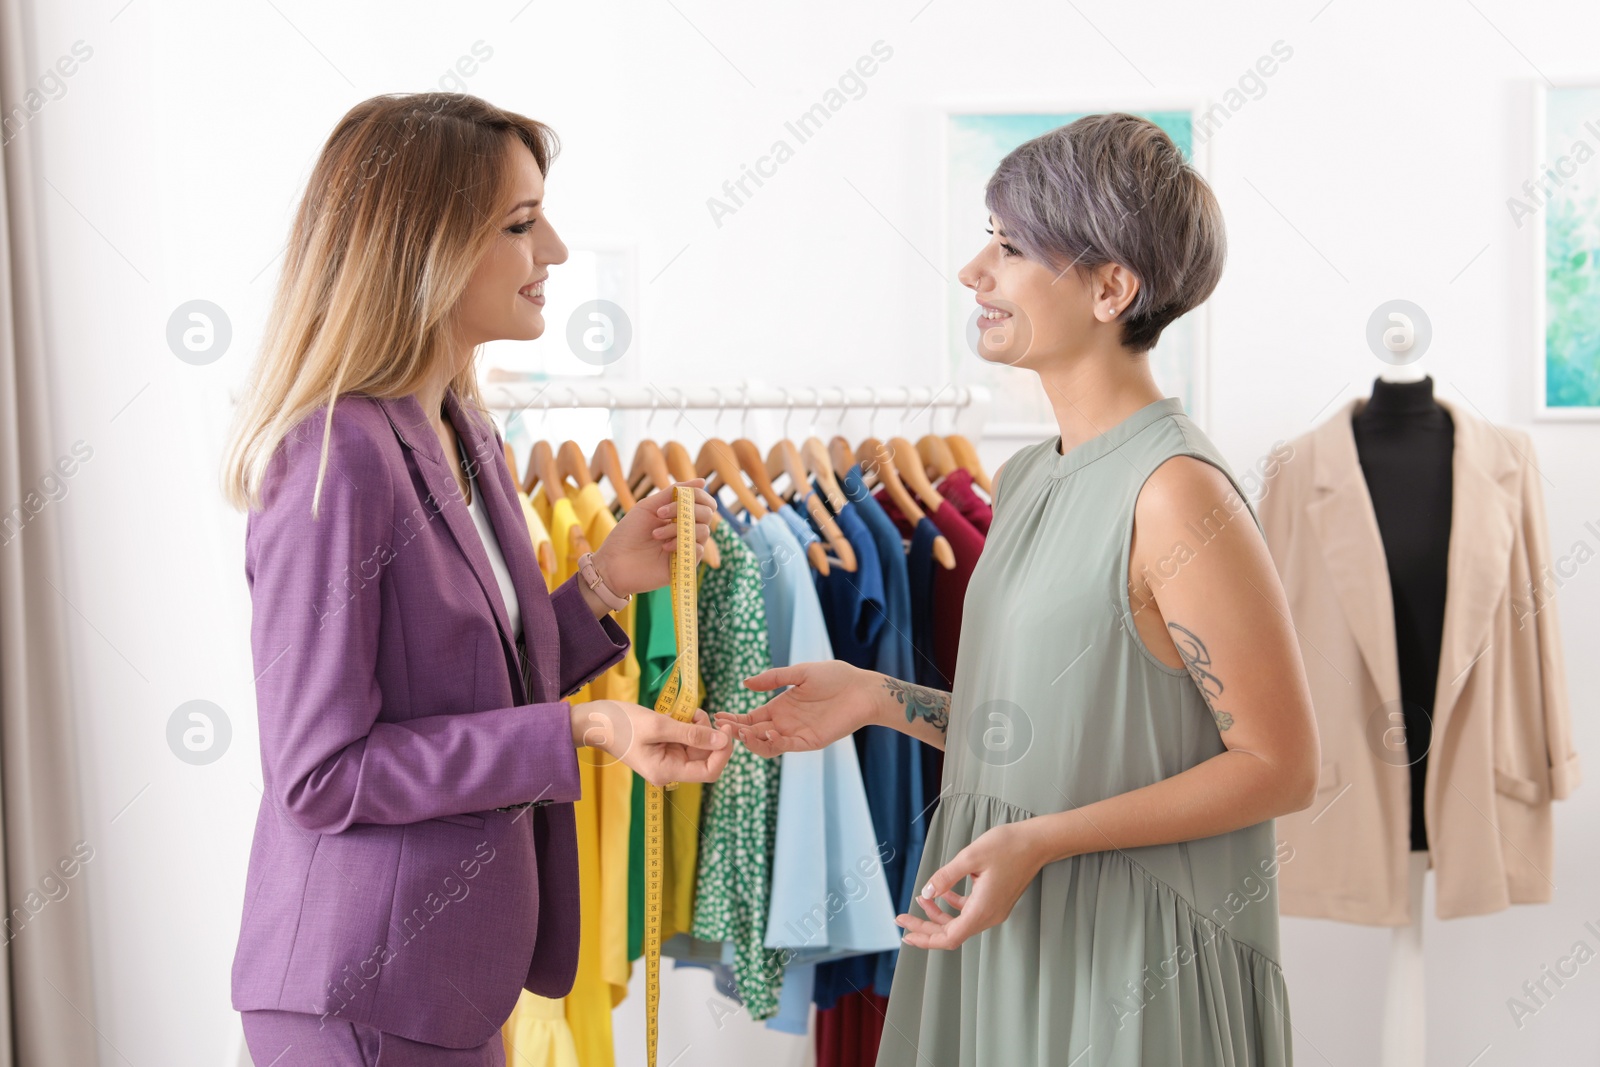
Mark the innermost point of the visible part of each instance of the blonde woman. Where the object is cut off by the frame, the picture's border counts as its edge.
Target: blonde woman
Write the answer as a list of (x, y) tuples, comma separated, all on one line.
[(414, 865)]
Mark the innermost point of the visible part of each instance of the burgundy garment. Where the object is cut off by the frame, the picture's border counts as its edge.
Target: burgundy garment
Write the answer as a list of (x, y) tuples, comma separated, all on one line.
[(386, 887), (895, 514), (848, 1034), (950, 586), (957, 488)]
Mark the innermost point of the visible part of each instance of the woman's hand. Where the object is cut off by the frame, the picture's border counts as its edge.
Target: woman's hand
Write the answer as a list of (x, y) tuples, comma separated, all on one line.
[(637, 555), (658, 747), (1000, 862), (828, 699)]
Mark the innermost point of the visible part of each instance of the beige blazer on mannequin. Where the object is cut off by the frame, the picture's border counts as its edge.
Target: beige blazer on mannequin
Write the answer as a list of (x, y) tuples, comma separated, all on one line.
[(1502, 736)]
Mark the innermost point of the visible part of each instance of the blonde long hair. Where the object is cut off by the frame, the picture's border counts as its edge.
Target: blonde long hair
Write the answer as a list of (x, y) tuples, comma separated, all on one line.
[(401, 206)]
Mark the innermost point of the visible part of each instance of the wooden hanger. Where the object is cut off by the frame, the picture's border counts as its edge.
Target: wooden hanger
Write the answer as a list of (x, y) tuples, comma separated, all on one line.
[(967, 456), (908, 464), (717, 458), (511, 462), (571, 462), (840, 456), (682, 468), (649, 470), (544, 551), (606, 463), (936, 454), (784, 458), (820, 464), (542, 468), (817, 460), (873, 455), (749, 457)]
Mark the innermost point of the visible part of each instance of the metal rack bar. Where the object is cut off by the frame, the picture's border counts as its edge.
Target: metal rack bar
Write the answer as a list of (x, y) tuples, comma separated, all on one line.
[(515, 395)]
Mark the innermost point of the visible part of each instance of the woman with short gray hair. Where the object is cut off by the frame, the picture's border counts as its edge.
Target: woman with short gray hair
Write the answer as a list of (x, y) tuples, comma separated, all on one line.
[(1130, 710)]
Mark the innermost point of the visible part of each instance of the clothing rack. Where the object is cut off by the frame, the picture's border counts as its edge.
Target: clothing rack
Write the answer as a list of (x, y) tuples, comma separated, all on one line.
[(529, 408), (964, 407)]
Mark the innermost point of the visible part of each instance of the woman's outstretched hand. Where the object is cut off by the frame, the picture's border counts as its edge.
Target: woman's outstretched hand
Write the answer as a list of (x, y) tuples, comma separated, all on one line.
[(658, 747), (827, 700)]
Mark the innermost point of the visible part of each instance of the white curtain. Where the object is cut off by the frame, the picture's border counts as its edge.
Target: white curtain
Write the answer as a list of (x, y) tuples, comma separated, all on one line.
[(46, 993)]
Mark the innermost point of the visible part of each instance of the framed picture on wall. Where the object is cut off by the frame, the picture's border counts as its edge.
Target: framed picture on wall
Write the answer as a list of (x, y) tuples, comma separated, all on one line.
[(1564, 202), (975, 140)]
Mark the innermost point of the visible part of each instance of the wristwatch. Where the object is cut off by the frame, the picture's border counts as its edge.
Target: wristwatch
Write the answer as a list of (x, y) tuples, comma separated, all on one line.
[(592, 577)]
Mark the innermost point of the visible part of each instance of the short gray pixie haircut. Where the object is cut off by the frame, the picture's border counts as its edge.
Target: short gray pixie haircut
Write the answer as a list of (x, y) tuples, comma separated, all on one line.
[(1113, 188)]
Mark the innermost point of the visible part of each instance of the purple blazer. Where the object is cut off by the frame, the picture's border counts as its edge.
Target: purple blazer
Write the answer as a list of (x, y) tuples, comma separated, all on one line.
[(384, 887)]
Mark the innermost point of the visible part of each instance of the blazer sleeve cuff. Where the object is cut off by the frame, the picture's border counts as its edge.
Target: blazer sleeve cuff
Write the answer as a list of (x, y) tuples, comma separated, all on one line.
[(588, 645), (1565, 777), (552, 759)]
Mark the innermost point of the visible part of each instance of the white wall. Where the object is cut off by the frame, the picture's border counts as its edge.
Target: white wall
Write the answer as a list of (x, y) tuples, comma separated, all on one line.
[(1376, 165)]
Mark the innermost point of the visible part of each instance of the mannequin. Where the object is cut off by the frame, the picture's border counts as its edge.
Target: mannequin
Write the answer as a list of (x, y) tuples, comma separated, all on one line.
[(1405, 442)]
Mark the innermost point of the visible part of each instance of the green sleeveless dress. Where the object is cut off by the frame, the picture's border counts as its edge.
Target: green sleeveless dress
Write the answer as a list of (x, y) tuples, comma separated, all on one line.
[(1160, 955)]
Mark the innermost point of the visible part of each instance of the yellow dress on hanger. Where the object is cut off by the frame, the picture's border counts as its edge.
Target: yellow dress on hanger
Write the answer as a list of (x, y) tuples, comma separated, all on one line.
[(537, 530), (539, 500), (587, 1008), (614, 778), (537, 1034), (542, 1032), (682, 836)]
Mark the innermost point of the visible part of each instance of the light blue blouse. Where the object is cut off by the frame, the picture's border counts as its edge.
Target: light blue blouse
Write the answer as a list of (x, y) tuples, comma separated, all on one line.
[(830, 896)]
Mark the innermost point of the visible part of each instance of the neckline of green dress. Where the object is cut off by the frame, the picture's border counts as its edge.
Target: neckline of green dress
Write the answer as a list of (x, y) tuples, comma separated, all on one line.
[(1087, 452)]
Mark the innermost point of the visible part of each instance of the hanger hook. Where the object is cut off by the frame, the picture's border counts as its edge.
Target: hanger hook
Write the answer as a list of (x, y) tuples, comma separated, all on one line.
[(815, 393), (677, 400), (744, 400), (722, 405), (788, 401), (611, 406), (872, 419)]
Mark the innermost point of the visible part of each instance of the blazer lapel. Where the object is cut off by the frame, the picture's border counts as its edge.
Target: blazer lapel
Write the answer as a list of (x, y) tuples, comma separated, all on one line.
[(411, 423), (1483, 510), (1483, 515), (541, 635), (1347, 528)]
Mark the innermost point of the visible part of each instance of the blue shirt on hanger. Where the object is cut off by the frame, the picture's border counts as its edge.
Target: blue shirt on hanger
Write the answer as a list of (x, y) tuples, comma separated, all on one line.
[(799, 527), (920, 566), (830, 895), (891, 761)]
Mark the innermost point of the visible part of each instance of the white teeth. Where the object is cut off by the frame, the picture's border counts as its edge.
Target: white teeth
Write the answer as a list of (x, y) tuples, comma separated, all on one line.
[(536, 289), (995, 313)]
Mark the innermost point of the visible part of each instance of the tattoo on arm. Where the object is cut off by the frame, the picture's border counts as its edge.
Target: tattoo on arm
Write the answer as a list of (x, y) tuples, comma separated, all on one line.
[(1198, 659), (921, 702)]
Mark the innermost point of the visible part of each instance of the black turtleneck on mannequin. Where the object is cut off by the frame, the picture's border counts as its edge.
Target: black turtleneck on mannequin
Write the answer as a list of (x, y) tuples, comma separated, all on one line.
[(1405, 442)]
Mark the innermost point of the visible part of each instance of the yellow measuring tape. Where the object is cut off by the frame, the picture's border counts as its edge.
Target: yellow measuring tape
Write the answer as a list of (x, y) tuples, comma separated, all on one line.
[(678, 700)]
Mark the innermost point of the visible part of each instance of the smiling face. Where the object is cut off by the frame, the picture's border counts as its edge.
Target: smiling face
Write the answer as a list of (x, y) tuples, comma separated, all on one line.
[(1031, 314), (504, 299)]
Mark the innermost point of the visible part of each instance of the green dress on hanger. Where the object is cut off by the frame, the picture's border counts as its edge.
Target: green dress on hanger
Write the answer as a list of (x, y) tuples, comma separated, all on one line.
[(1164, 954)]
